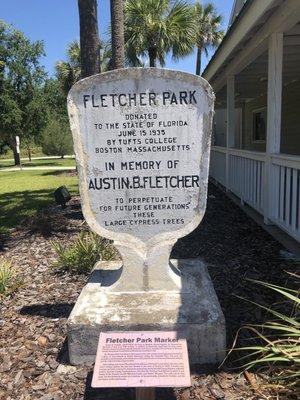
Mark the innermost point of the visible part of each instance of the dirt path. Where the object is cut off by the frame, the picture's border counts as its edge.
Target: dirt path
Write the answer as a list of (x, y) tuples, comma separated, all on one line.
[(38, 169)]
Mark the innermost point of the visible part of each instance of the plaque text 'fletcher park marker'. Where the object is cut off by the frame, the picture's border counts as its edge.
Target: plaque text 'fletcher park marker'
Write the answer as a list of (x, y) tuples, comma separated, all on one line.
[(141, 359), (142, 143)]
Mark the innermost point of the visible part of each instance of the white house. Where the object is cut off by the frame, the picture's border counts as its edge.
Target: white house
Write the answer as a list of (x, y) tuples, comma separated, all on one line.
[(255, 74)]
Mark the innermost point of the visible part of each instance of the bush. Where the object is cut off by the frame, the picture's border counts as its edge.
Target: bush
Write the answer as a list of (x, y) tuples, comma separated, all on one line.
[(81, 256), (57, 139), (3, 147), (4, 236), (9, 280), (277, 341)]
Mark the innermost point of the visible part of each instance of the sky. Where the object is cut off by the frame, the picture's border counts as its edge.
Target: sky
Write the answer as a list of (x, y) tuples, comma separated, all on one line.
[(56, 23)]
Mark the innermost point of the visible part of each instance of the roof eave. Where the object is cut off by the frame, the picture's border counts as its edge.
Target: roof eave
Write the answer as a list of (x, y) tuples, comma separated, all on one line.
[(261, 7)]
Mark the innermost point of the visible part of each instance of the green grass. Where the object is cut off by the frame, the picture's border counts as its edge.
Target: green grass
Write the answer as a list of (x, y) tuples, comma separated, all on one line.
[(22, 193), (52, 162)]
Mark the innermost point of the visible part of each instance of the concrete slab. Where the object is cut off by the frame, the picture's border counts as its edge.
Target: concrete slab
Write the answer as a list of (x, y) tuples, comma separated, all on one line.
[(193, 311)]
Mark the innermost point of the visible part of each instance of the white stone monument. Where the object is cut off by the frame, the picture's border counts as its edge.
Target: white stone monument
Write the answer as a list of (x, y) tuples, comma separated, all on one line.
[(142, 143)]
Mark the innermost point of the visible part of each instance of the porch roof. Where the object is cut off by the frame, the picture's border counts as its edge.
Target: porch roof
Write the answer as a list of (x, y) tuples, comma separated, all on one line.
[(230, 31), (252, 82), (247, 38)]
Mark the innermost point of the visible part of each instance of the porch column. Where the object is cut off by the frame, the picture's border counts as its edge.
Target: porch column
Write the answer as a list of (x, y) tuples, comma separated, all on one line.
[(230, 123), (273, 120)]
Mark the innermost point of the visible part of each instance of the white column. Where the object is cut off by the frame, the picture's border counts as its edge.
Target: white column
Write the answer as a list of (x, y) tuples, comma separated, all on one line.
[(273, 121), (230, 123)]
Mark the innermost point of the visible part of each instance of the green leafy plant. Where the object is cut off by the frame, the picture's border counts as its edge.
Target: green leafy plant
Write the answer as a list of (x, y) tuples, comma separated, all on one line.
[(277, 341), (57, 139), (3, 231), (81, 256), (9, 280)]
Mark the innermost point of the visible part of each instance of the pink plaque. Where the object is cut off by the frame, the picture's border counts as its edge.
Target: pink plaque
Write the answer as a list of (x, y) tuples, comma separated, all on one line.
[(141, 359)]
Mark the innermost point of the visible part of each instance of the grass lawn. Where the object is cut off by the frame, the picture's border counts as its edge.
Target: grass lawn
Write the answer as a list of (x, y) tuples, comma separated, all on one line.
[(22, 193), (52, 162)]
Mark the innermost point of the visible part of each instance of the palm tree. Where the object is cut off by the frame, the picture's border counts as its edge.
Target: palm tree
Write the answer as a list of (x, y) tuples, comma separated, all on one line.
[(154, 28), (89, 37), (69, 72), (117, 33), (208, 33)]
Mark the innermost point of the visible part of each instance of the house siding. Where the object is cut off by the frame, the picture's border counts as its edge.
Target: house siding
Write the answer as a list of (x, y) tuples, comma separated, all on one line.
[(248, 142), (290, 134), (220, 127)]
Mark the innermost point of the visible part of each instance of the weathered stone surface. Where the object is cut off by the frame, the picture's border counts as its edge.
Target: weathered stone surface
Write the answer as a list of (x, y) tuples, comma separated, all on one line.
[(194, 312), (142, 144)]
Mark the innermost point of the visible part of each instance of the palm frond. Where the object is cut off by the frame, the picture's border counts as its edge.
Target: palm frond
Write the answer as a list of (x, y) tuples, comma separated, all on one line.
[(161, 25)]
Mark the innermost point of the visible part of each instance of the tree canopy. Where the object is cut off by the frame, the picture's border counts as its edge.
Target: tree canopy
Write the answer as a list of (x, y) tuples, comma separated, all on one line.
[(154, 28), (69, 72), (21, 80), (208, 32), (57, 138)]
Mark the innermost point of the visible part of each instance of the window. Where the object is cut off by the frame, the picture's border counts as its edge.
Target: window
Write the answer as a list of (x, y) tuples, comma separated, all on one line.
[(260, 125)]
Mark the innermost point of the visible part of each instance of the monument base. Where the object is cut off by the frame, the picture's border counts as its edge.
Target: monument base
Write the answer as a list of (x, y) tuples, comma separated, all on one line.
[(193, 312)]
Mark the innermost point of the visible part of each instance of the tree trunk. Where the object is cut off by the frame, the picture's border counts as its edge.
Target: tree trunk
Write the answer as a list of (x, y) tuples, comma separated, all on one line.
[(152, 56), (89, 38), (117, 33), (16, 155), (29, 153), (198, 66), (13, 145)]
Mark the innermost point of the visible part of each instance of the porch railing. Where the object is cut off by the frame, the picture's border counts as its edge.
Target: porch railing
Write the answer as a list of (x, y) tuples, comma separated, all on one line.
[(286, 181), (243, 173), (246, 173), (218, 164)]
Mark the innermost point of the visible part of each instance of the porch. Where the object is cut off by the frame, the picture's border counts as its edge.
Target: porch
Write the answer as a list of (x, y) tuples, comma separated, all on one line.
[(256, 141), (246, 179)]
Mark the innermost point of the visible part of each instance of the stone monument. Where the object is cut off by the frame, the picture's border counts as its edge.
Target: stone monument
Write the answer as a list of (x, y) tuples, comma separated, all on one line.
[(142, 144)]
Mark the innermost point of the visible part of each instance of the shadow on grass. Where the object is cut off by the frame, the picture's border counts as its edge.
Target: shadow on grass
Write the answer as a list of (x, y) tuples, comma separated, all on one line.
[(42, 164), (66, 172), (7, 165), (16, 206)]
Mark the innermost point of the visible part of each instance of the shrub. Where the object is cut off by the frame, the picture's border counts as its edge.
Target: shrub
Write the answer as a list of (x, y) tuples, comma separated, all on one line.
[(4, 236), (277, 341), (9, 280), (3, 231), (57, 139), (3, 147), (81, 256)]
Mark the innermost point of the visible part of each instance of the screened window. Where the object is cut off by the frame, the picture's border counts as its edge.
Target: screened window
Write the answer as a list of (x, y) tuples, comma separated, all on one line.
[(260, 125)]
